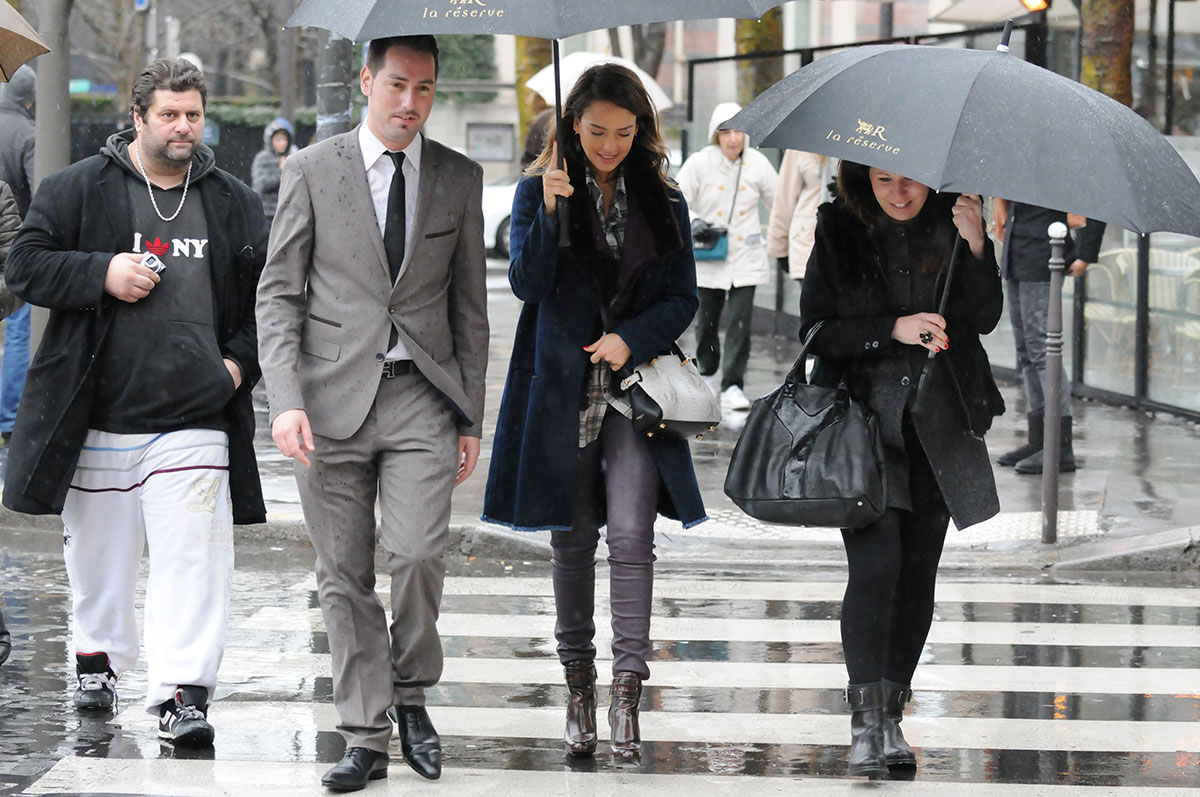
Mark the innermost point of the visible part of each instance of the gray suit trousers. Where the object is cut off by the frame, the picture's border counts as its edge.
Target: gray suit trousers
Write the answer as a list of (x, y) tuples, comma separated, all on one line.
[(406, 454)]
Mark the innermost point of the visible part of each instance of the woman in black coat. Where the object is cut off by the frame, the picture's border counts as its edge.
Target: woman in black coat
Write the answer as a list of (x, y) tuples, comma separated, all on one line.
[(875, 276), (563, 458)]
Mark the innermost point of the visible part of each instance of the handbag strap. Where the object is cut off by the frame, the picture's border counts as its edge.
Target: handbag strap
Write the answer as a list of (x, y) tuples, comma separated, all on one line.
[(797, 372)]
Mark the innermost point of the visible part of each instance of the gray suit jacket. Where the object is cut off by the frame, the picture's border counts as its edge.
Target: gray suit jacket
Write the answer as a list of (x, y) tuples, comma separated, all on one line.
[(326, 303)]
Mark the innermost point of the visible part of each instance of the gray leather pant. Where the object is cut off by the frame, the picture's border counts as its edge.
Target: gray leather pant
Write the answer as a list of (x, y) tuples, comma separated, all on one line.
[(1028, 306), (617, 469)]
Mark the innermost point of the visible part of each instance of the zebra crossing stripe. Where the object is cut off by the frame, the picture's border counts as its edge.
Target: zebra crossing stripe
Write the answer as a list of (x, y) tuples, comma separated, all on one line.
[(274, 779), (797, 631), (948, 591), (249, 666)]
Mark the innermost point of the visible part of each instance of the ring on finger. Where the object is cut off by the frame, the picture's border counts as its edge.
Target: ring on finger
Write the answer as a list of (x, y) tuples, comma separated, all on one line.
[(926, 337)]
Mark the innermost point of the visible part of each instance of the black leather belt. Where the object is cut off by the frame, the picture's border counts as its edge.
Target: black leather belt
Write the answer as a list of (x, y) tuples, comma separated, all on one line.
[(395, 368)]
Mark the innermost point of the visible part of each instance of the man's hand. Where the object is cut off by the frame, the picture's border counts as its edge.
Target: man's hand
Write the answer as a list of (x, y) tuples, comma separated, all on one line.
[(235, 371), (1077, 268), (468, 455), (127, 279), (293, 436)]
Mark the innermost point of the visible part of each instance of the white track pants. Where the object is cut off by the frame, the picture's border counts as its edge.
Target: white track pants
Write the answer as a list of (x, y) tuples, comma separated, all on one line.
[(170, 491)]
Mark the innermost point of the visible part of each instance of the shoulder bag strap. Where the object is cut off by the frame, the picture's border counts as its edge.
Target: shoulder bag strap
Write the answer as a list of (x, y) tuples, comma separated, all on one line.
[(797, 372)]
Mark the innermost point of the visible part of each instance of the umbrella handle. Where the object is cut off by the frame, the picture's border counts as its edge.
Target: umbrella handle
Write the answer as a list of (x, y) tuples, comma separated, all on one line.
[(560, 133), (918, 403)]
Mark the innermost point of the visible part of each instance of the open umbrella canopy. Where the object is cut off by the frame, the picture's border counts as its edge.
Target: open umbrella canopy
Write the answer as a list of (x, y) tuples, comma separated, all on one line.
[(983, 122), (360, 20), (18, 41), (575, 64)]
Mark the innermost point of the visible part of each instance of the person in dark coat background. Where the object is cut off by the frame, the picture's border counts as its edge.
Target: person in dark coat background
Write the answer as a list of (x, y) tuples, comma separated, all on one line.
[(563, 459), (267, 169), (874, 278), (16, 169), (10, 222), (1025, 268)]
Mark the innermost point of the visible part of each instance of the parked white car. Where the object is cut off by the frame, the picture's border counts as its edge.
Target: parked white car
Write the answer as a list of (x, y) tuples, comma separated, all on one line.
[(497, 212)]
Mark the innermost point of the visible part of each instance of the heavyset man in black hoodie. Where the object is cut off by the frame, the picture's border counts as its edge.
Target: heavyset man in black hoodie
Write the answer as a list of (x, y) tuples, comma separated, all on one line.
[(137, 422)]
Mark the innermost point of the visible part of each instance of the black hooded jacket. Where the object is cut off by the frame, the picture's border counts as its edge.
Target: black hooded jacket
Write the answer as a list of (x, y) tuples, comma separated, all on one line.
[(79, 218)]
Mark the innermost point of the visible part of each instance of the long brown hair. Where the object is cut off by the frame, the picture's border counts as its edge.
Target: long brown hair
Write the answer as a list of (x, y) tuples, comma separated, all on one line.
[(933, 228), (620, 86)]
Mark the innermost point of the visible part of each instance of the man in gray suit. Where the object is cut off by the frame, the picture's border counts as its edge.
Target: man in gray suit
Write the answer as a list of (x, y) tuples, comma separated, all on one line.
[(373, 335)]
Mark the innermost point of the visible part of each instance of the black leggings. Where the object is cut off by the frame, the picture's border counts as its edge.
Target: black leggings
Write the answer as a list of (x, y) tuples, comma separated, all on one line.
[(888, 606)]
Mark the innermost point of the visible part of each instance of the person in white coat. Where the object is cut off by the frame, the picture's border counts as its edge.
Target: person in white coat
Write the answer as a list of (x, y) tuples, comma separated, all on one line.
[(709, 180), (792, 227)]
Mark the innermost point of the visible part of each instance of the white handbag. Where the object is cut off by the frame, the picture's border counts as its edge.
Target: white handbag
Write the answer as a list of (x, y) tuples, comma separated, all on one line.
[(667, 395)]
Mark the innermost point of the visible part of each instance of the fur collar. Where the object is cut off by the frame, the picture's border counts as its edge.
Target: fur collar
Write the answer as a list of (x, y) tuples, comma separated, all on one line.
[(651, 231)]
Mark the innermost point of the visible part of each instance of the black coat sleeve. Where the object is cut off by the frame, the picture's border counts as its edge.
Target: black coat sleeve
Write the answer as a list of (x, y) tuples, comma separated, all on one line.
[(249, 254), (976, 294), (1088, 239), (44, 265)]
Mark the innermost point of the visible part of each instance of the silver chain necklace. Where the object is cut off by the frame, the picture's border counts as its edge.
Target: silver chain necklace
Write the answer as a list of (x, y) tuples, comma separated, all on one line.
[(137, 157)]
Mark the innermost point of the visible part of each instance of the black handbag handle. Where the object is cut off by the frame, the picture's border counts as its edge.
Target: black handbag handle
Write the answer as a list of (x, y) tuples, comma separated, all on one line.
[(796, 375)]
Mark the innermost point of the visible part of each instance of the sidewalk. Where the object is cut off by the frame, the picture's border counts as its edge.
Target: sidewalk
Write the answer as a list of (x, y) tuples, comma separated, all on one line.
[(1134, 504)]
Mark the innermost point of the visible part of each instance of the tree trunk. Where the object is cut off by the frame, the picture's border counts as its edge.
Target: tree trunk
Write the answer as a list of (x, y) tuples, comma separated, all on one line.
[(614, 41), (754, 36), (532, 54), (649, 41), (334, 81), (1107, 48)]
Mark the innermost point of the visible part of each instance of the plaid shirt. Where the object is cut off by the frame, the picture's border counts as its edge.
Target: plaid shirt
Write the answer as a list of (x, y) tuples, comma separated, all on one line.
[(591, 418)]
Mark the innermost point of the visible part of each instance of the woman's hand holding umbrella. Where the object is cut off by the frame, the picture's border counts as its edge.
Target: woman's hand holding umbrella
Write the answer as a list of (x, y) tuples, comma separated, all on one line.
[(968, 218), (555, 183)]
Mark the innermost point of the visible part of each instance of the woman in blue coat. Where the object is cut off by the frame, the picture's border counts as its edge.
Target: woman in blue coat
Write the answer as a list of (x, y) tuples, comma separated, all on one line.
[(563, 459)]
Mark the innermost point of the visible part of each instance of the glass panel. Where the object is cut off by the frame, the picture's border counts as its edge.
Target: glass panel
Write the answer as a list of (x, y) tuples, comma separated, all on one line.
[(1174, 302), (1109, 314)]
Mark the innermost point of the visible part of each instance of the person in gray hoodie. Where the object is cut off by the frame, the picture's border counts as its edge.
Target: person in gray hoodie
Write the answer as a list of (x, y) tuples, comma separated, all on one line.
[(267, 168), (16, 169)]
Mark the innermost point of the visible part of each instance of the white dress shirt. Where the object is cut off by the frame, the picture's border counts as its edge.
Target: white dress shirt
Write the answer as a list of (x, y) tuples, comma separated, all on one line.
[(380, 167)]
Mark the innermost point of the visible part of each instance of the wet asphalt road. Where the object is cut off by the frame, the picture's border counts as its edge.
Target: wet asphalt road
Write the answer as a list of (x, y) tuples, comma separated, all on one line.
[(1024, 682)]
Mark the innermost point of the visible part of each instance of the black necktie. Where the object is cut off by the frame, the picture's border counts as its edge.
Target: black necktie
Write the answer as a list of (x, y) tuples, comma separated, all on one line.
[(393, 228)]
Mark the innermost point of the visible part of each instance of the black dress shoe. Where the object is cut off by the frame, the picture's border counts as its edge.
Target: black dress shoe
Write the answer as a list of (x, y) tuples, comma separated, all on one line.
[(357, 766), (419, 742), (5, 641)]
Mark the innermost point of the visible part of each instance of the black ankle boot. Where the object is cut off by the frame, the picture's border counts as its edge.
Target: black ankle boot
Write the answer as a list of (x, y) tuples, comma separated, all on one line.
[(896, 750), (625, 732), (580, 734), (866, 730), (1032, 464), (1037, 431)]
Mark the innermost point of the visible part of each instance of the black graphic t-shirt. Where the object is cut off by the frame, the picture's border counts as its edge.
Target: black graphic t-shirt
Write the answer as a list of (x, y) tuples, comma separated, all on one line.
[(161, 368)]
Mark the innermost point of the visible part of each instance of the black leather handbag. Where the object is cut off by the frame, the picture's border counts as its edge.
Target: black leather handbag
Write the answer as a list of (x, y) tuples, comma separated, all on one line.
[(809, 456)]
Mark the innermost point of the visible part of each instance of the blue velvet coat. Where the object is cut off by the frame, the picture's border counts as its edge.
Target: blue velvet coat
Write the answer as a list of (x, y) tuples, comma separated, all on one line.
[(535, 456)]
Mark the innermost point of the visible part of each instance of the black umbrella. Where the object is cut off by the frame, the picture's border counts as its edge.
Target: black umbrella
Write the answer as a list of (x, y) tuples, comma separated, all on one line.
[(982, 122), (360, 20)]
